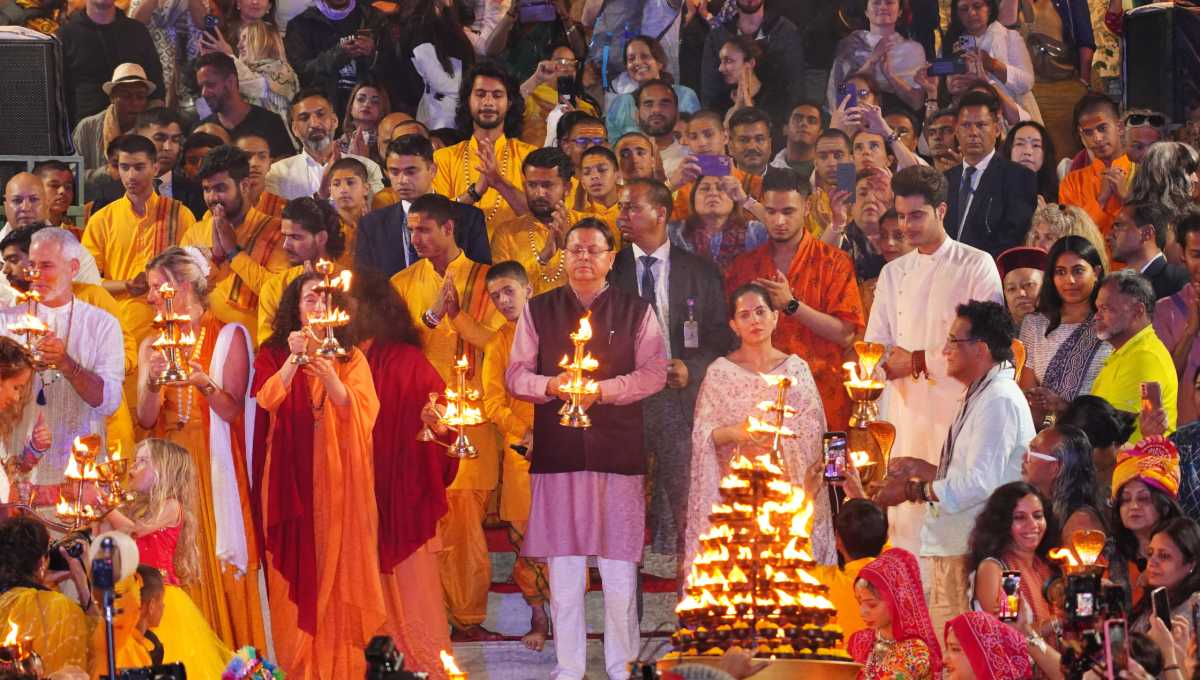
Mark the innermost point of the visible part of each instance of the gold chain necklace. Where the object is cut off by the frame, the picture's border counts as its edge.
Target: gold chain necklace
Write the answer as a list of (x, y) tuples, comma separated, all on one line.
[(185, 414), (491, 216), (537, 256)]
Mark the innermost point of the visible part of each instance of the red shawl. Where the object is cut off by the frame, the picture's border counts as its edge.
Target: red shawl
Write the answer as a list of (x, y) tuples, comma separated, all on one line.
[(996, 650), (410, 476), (896, 576), (290, 537)]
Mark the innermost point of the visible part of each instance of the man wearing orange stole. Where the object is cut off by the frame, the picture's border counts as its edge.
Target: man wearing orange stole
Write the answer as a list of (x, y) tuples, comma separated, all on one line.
[(587, 483), (448, 303), (318, 513)]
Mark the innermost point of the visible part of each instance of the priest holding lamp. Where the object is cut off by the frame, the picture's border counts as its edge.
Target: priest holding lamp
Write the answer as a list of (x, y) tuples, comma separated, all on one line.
[(587, 482)]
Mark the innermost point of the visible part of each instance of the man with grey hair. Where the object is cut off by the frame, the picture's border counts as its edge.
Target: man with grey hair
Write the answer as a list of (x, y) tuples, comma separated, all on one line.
[(78, 382), (1123, 312)]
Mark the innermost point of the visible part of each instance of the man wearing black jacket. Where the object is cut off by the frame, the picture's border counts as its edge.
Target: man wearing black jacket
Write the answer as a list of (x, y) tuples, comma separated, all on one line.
[(783, 53), (335, 45), (383, 243), (991, 199), (96, 41), (687, 294)]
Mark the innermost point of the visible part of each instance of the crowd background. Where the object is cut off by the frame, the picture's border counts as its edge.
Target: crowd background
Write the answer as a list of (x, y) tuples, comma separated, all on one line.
[(725, 188)]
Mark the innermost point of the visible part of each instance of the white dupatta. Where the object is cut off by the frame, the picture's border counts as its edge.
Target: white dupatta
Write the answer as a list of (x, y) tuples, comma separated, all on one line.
[(231, 543)]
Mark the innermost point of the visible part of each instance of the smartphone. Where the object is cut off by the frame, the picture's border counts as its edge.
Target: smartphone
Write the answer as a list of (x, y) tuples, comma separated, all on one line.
[(1151, 396), (211, 22), (847, 177), (714, 165), (965, 43), (848, 90), (1162, 605), (567, 90), (946, 66), (833, 446), (1196, 622), (1116, 648), (536, 12), (1010, 596)]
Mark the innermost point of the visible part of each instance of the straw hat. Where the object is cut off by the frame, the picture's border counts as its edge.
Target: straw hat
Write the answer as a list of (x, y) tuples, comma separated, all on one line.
[(126, 74)]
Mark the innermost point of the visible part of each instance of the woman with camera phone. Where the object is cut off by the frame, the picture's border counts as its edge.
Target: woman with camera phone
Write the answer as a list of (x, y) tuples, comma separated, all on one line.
[(1173, 555), (1145, 487), (162, 519), (1014, 533)]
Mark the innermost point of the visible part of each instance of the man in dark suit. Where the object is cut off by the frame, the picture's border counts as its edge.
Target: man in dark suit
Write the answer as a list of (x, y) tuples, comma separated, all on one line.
[(687, 294), (1137, 238), (165, 128), (382, 242), (991, 198)]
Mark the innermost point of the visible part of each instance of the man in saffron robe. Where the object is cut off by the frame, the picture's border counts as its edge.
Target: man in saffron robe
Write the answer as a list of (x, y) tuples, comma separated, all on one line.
[(448, 303), (317, 490), (587, 484)]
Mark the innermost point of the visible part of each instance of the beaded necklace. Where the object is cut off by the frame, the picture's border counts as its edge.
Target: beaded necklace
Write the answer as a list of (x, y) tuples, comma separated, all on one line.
[(491, 215), (558, 271), (185, 414), (50, 376)]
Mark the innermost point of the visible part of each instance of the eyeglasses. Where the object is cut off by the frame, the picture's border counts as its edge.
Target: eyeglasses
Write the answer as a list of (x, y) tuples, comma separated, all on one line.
[(587, 252), (587, 142), (1152, 119), (1034, 455)]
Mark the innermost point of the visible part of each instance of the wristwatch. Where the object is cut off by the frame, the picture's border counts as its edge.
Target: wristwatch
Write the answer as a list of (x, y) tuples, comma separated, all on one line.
[(792, 307), (475, 195)]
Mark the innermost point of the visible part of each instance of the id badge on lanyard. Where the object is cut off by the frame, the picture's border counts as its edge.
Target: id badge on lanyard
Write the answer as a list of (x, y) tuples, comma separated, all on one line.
[(691, 329)]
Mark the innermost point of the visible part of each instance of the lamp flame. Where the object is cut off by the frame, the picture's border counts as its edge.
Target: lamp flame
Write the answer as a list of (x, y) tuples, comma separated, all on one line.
[(13, 632), (448, 663), (585, 329), (860, 459), (1065, 555)]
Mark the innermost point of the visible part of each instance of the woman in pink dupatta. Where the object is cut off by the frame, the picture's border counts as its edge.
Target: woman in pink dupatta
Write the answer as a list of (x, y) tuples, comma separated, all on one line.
[(980, 647), (899, 640)]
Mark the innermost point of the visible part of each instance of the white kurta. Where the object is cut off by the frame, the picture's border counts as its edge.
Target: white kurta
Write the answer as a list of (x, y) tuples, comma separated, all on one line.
[(915, 303), (94, 340)]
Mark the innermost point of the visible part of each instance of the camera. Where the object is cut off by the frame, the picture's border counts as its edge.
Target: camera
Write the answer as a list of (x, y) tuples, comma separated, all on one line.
[(73, 545), (385, 662), (1091, 638)]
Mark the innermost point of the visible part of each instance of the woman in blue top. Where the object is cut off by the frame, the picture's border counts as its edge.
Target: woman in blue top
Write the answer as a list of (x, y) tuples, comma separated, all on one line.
[(645, 60)]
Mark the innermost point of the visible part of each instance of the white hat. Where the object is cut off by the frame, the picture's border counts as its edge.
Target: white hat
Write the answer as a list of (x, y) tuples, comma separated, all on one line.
[(128, 73)]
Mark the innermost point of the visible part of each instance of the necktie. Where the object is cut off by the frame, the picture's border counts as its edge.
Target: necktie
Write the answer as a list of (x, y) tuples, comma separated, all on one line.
[(157, 185), (648, 279), (965, 189)]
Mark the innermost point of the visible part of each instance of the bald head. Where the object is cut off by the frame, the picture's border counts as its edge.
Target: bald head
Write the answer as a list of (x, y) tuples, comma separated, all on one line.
[(24, 200), (386, 125)]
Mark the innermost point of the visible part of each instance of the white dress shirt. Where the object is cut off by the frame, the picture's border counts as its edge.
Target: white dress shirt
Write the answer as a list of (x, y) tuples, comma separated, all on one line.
[(661, 270), (300, 175), (93, 338), (915, 303), (992, 434)]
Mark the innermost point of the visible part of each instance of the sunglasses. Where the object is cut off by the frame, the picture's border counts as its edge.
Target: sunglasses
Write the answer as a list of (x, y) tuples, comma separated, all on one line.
[(1140, 119), (588, 141), (1034, 455)]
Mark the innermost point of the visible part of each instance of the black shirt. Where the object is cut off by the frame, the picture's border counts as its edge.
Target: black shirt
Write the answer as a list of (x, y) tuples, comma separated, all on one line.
[(266, 124), (91, 52)]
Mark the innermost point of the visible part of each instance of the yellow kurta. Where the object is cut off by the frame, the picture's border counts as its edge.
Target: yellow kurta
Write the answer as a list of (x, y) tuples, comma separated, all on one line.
[(521, 239), (513, 418), (384, 198), (124, 242), (230, 602), (268, 299), (350, 604), (456, 170), (120, 423), (59, 627), (234, 298)]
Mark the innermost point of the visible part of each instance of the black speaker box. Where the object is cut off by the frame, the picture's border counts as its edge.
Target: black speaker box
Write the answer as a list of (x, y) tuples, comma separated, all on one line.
[(33, 113)]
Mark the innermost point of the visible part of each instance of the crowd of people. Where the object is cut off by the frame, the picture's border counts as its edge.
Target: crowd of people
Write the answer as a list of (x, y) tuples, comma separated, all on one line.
[(735, 190)]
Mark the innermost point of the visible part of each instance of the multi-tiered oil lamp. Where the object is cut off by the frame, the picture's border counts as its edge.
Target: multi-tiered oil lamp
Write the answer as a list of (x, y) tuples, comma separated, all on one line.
[(332, 318), (29, 325), (573, 413), (175, 340), (459, 414), (869, 438), (106, 477)]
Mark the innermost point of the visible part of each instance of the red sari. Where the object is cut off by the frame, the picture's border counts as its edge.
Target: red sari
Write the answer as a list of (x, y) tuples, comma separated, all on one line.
[(996, 650), (914, 651)]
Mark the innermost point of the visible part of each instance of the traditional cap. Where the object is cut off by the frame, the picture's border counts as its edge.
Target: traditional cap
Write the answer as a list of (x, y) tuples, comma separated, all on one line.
[(996, 650), (128, 74), (1154, 460), (1020, 258)]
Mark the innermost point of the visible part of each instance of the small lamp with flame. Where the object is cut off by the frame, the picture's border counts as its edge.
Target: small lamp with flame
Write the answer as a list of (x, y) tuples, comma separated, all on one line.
[(107, 478), (173, 342), (321, 327), (573, 413), (17, 655), (459, 413), (29, 325), (451, 667), (1084, 569)]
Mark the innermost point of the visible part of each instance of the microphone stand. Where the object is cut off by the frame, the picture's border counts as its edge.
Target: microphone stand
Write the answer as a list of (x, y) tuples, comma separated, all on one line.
[(103, 578)]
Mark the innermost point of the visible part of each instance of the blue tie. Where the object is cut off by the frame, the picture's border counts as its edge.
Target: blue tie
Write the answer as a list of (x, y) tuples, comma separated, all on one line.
[(648, 279)]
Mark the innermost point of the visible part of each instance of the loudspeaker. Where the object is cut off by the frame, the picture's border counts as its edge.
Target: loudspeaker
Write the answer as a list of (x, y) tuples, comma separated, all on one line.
[(33, 113), (1149, 56)]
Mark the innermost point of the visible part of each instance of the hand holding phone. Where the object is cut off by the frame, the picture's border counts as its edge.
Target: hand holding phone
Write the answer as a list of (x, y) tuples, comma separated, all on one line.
[(1116, 648), (847, 177), (714, 165), (1010, 596), (833, 446), (1162, 605), (849, 90), (1151, 396)]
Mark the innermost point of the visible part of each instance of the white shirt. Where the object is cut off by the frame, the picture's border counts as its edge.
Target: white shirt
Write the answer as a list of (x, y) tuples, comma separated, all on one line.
[(88, 271), (1007, 46), (661, 271), (980, 168), (94, 340), (300, 175), (915, 303), (164, 186), (994, 432)]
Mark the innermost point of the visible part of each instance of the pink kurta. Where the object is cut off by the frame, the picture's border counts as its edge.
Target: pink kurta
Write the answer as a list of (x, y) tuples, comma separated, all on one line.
[(588, 513)]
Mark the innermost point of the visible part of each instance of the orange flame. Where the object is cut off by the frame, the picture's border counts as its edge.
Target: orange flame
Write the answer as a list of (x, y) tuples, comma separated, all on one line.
[(63, 508), (585, 329), (853, 379), (860, 459), (448, 664), (1065, 555), (13, 632)]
